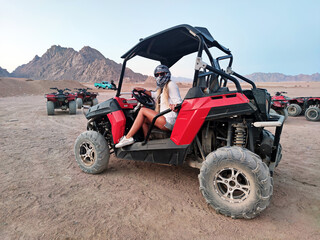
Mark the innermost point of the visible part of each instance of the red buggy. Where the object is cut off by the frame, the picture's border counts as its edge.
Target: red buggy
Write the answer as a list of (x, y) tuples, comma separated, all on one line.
[(219, 131)]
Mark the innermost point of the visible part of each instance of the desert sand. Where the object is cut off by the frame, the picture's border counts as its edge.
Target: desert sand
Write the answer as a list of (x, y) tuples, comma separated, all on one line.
[(45, 195)]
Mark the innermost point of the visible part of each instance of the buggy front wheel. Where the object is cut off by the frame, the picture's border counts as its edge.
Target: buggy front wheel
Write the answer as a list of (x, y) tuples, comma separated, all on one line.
[(235, 182), (92, 152)]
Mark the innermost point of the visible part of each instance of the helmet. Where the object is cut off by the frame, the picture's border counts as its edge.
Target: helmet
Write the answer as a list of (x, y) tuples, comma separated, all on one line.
[(162, 75)]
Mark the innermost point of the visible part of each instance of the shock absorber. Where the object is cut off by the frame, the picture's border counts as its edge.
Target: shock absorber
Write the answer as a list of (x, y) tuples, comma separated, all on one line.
[(240, 135)]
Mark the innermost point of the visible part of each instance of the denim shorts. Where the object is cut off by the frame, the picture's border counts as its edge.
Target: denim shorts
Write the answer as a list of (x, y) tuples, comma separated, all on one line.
[(169, 126)]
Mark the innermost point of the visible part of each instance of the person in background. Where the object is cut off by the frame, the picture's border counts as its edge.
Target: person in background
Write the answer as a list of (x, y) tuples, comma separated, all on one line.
[(167, 95)]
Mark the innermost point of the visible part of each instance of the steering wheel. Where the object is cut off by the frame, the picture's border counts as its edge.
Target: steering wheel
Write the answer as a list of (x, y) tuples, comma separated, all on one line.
[(143, 98)]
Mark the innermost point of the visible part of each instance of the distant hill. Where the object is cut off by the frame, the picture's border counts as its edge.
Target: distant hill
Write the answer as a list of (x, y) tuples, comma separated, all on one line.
[(4, 72), (279, 77), (87, 65), (269, 77)]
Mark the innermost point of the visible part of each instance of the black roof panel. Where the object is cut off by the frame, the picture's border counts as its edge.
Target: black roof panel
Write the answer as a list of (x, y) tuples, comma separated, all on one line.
[(170, 45)]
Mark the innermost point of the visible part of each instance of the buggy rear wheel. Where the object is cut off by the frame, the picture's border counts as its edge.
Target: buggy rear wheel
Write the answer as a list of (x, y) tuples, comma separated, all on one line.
[(235, 182), (92, 152), (312, 114), (294, 110), (50, 108)]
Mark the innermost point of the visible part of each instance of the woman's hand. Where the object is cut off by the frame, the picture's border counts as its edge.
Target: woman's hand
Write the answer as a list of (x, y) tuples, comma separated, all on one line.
[(172, 107)]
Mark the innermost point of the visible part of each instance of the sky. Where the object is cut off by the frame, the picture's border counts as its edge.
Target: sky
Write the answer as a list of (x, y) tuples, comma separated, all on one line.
[(264, 36)]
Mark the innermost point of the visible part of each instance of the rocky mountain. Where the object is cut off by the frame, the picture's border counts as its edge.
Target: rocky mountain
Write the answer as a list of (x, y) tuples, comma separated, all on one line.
[(269, 77), (4, 72), (87, 65), (279, 77)]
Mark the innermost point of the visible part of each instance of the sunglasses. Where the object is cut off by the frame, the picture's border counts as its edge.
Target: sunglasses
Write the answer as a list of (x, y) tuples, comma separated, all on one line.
[(160, 74)]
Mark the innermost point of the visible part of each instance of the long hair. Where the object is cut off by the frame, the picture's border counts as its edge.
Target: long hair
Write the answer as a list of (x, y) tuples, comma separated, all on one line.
[(165, 91)]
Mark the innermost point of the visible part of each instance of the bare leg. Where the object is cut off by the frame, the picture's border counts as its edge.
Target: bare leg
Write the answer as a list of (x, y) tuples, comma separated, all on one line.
[(146, 115), (145, 127)]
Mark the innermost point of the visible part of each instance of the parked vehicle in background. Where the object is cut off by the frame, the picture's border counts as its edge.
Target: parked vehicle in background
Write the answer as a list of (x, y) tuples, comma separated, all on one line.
[(85, 97), (309, 106), (62, 99), (106, 85), (280, 104), (312, 112), (296, 106)]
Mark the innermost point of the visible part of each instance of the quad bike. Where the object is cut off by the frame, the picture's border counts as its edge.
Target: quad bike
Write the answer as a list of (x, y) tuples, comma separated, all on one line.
[(297, 106), (62, 99), (309, 106), (83, 97), (312, 112), (219, 131), (279, 104)]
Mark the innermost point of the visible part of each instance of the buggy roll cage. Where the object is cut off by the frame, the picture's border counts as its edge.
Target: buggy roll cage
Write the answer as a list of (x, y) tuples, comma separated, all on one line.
[(170, 45)]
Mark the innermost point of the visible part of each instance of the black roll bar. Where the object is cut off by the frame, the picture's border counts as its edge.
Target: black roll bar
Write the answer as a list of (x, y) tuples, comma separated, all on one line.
[(223, 74), (121, 77), (199, 55), (245, 79), (226, 57), (155, 119)]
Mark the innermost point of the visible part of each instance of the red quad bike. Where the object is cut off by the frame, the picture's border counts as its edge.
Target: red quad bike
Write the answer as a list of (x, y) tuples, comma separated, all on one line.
[(219, 131), (312, 112), (296, 106), (62, 99), (279, 104), (84, 97), (309, 106)]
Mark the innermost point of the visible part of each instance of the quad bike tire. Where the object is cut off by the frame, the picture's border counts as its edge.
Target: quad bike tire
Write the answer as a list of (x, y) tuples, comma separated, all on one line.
[(235, 182), (94, 101), (50, 108), (294, 110), (92, 152), (72, 107), (312, 114), (79, 103)]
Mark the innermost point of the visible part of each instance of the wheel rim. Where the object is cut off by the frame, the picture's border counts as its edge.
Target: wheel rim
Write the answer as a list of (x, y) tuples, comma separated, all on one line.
[(232, 185), (312, 114), (292, 110), (87, 153)]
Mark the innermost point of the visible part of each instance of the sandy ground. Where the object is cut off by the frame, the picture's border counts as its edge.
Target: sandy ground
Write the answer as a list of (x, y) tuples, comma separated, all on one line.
[(45, 195)]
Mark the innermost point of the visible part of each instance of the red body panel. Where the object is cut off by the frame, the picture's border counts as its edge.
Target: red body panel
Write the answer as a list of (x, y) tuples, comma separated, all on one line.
[(126, 103), (118, 123), (194, 111), (279, 101), (54, 97)]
